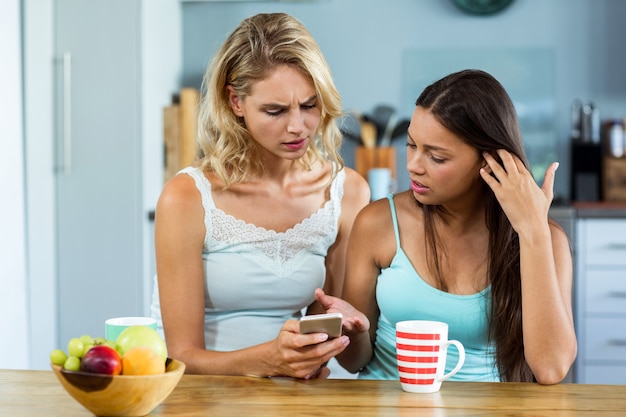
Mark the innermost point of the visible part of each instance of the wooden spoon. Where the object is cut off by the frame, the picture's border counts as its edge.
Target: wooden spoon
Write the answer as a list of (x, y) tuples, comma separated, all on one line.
[(368, 134)]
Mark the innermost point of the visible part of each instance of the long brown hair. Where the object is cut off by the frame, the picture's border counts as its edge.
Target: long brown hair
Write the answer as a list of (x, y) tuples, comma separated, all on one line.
[(476, 107)]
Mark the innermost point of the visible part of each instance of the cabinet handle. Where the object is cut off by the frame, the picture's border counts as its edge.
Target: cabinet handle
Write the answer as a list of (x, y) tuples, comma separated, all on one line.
[(67, 113), (617, 294), (617, 246), (617, 342)]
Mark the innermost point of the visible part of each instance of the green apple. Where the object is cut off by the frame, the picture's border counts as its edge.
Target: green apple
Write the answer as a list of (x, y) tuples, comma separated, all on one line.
[(141, 336)]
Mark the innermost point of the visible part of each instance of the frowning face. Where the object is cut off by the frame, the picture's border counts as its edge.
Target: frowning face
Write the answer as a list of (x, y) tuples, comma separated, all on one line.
[(281, 112)]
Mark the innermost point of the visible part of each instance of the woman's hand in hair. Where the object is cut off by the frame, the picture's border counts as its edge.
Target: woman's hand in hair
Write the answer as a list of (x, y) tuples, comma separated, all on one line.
[(523, 201)]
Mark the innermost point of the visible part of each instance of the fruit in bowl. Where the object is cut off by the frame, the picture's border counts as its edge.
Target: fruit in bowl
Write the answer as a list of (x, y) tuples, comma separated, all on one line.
[(141, 360), (127, 377), (141, 348), (134, 336), (120, 395), (101, 359)]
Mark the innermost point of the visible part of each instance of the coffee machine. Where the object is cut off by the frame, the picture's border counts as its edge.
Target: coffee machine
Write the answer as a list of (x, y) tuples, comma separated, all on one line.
[(586, 153), (586, 176)]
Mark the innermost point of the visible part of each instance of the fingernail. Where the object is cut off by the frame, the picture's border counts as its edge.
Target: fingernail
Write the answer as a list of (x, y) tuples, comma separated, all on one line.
[(323, 337)]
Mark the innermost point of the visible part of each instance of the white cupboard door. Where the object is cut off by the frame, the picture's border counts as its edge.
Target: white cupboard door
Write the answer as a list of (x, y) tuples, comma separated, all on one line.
[(98, 163), (606, 242), (605, 291), (605, 340), (605, 374)]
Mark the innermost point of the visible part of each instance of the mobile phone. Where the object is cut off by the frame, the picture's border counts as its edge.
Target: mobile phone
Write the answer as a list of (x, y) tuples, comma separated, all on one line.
[(322, 323)]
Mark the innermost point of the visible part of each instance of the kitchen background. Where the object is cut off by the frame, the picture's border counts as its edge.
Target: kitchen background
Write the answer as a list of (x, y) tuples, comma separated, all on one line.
[(59, 283)]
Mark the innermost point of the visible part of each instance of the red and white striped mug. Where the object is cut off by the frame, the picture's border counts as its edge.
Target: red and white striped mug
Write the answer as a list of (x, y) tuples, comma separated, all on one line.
[(421, 349)]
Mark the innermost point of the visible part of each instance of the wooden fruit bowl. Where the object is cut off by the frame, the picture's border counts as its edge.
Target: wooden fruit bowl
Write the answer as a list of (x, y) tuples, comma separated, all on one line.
[(120, 395)]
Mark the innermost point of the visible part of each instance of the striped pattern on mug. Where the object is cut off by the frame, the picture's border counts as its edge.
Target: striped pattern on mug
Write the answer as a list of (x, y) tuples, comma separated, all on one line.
[(418, 357)]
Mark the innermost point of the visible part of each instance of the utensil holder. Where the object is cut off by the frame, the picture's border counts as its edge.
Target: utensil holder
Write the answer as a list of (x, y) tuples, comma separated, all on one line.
[(379, 157)]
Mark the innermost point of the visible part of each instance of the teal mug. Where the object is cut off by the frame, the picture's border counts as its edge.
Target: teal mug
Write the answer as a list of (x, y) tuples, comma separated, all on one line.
[(113, 327)]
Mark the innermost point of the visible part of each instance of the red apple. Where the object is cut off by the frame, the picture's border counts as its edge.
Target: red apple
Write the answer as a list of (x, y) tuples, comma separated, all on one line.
[(102, 359)]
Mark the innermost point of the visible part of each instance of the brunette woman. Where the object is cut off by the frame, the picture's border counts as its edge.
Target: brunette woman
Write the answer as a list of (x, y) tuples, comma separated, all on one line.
[(470, 244)]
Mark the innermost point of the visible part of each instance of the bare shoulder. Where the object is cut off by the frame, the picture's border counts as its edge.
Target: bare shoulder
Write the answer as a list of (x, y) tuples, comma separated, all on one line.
[(356, 195), (374, 223), (375, 218), (355, 187), (179, 194), (179, 215)]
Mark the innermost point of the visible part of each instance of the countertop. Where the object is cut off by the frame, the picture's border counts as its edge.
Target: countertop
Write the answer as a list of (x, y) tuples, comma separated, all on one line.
[(599, 209), (33, 393)]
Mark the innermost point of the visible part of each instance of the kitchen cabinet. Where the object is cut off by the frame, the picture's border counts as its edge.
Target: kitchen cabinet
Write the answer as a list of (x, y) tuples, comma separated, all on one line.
[(98, 164), (600, 288)]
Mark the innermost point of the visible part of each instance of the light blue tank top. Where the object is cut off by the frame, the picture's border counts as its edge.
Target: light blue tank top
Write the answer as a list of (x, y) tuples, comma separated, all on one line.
[(403, 295), (256, 279)]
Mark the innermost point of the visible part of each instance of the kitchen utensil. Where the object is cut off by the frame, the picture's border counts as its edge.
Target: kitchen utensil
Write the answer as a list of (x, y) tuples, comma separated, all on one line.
[(368, 134), (389, 128), (377, 157), (400, 129), (350, 126), (384, 116)]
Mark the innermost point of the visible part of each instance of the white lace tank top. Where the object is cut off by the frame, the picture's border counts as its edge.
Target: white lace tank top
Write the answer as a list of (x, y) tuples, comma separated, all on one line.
[(255, 278)]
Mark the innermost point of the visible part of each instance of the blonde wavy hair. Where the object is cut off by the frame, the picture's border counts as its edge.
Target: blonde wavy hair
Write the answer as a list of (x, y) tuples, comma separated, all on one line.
[(258, 45)]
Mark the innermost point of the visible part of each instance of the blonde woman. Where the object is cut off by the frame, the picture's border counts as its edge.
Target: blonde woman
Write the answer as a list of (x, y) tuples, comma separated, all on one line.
[(244, 238)]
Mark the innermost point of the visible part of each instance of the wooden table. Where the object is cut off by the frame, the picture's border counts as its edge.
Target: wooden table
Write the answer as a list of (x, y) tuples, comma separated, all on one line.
[(38, 393)]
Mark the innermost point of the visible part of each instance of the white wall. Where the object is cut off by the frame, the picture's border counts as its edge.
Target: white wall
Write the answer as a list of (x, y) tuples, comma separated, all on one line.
[(40, 186), (14, 342)]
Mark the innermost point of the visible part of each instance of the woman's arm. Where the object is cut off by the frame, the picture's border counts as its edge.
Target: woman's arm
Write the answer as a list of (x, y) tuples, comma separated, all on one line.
[(547, 321), (356, 196), (179, 238), (545, 264), (359, 305)]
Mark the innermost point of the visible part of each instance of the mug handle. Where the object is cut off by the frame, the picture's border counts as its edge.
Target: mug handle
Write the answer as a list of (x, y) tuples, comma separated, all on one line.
[(461, 361)]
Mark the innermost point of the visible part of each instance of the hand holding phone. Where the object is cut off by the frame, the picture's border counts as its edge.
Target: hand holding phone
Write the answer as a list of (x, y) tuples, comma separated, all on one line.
[(329, 323)]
